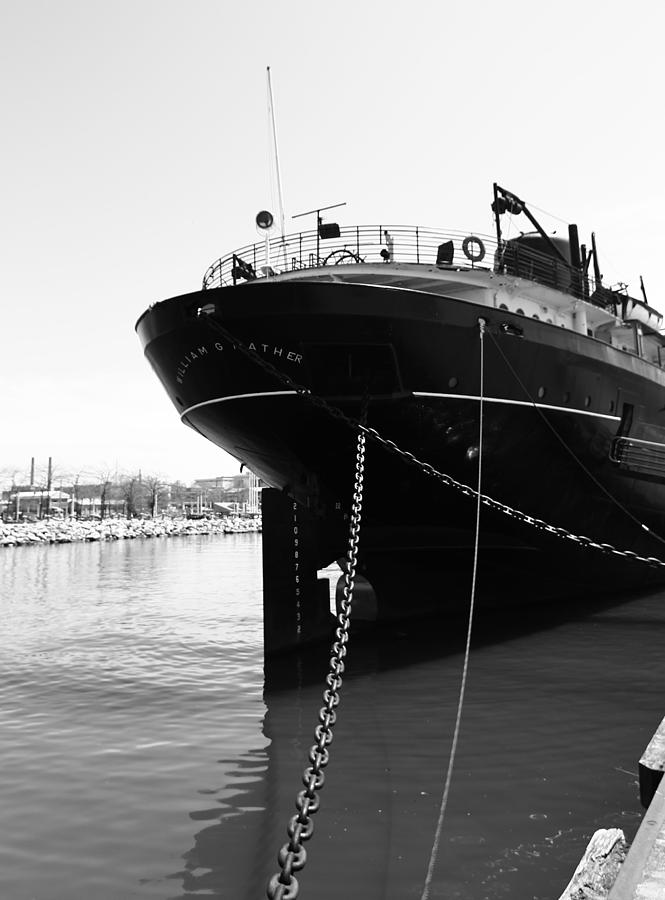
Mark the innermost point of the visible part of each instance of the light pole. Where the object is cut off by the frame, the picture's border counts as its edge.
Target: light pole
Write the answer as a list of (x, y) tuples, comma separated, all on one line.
[(75, 485), (16, 497)]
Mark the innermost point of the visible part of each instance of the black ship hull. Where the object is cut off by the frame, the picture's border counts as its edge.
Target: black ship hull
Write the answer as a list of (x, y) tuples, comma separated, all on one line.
[(571, 433)]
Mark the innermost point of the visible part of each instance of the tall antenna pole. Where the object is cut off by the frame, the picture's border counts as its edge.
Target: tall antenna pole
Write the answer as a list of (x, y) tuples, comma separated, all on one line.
[(271, 109)]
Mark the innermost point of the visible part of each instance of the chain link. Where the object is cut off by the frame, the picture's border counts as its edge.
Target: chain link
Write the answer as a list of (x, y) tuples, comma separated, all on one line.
[(427, 469), (292, 857), (538, 524)]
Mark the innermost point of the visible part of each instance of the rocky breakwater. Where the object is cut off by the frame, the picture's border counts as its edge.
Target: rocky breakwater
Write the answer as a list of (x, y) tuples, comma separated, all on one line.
[(64, 531)]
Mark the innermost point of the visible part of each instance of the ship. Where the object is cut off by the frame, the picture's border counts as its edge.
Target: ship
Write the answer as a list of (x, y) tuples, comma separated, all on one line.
[(457, 355)]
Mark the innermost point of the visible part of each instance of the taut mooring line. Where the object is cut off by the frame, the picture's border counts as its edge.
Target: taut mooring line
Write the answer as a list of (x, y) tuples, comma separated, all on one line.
[(570, 450), (428, 469), (460, 703)]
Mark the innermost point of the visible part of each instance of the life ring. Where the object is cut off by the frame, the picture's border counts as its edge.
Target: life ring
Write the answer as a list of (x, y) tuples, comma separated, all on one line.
[(467, 243)]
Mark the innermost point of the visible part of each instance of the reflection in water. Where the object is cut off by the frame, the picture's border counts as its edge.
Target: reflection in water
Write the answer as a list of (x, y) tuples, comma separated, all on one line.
[(222, 861), (535, 774), (144, 755)]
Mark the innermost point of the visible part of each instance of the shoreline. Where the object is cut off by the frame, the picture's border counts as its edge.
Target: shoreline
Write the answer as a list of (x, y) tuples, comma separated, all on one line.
[(67, 531)]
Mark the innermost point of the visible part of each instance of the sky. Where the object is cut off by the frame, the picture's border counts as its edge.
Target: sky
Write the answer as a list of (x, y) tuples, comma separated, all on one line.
[(136, 150)]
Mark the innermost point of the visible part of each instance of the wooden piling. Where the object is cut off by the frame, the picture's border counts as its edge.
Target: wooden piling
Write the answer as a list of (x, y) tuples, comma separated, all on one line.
[(652, 765), (597, 871)]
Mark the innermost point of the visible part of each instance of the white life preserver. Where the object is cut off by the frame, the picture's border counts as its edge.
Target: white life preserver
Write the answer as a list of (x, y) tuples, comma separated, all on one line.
[(466, 245)]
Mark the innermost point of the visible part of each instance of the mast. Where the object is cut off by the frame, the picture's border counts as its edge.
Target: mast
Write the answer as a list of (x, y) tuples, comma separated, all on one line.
[(596, 265), (271, 110), (497, 222)]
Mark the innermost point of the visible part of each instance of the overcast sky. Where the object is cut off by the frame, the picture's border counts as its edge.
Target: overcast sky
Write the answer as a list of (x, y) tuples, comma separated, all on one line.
[(135, 151)]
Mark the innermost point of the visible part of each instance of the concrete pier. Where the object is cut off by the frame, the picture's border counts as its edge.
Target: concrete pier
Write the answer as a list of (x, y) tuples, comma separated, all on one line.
[(604, 873), (652, 765), (642, 876)]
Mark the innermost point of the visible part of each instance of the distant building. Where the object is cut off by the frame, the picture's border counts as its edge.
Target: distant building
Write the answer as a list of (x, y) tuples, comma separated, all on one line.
[(25, 501), (239, 494), (223, 495)]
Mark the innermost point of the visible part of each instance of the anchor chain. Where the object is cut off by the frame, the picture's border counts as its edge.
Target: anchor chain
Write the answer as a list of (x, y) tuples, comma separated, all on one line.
[(292, 857), (539, 524), (428, 469)]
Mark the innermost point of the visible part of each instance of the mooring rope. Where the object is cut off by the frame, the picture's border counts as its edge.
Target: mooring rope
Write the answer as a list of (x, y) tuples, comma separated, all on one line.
[(570, 450), (467, 650), (532, 521), (283, 885)]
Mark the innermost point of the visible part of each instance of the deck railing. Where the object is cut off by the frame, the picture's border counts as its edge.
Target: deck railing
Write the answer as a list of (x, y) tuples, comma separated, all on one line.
[(355, 244), (386, 244)]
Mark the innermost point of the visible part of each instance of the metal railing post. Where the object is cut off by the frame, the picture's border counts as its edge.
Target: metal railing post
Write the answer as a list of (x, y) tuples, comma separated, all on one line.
[(368, 246)]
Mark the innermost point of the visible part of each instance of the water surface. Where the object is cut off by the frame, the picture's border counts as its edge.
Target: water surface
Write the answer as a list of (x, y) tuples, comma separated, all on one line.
[(143, 757)]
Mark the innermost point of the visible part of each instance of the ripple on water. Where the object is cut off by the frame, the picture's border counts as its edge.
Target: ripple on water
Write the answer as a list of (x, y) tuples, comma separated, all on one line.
[(141, 758)]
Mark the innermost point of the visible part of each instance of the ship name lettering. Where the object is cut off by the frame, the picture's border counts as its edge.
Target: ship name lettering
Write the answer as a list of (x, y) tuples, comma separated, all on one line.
[(197, 353), (291, 355)]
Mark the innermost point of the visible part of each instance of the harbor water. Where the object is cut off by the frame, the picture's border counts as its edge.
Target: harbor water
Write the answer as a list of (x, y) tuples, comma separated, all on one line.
[(142, 755)]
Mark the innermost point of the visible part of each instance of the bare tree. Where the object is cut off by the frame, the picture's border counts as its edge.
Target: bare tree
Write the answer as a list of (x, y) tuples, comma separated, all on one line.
[(130, 491), (105, 479), (152, 486), (44, 484), (11, 478), (178, 494)]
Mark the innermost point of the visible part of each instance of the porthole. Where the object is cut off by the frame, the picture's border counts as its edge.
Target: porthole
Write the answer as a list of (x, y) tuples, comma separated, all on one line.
[(541, 392), (520, 312), (550, 322), (502, 306), (566, 396), (453, 382), (178, 400), (611, 406), (534, 316), (587, 401)]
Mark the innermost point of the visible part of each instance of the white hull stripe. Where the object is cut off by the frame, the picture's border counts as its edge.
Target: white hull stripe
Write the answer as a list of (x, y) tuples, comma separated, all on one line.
[(567, 409), (236, 397)]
